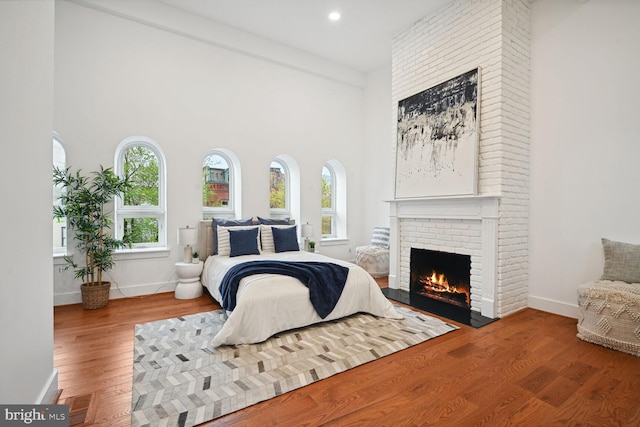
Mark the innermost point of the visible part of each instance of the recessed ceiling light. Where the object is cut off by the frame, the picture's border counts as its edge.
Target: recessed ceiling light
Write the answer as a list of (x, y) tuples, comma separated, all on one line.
[(334, 16)]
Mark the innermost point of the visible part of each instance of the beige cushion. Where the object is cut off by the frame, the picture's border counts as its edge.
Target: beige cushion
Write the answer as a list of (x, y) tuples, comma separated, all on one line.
[(621, 261)]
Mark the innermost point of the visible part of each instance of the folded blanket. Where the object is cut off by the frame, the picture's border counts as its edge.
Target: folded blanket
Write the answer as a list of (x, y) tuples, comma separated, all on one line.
[(325, 281)]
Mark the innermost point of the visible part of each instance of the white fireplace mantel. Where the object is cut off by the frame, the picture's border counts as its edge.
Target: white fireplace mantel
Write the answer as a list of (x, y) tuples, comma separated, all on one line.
[(483, 208)]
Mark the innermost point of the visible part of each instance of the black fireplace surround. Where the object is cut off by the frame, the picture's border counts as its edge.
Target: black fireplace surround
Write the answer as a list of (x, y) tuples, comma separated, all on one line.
[(442, 276), (440, 283)]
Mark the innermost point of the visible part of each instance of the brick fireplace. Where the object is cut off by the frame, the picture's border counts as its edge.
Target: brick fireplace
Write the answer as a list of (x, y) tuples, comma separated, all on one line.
[(492, 225), (459, 225)]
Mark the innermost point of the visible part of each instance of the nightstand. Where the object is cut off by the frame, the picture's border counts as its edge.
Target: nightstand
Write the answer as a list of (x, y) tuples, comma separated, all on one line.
[(189, 285)]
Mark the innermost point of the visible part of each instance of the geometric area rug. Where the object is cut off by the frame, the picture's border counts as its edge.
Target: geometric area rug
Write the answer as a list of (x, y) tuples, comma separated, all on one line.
[(179, 379)]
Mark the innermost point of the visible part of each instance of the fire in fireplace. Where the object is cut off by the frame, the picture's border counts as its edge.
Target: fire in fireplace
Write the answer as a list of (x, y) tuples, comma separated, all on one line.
[(441, 276)]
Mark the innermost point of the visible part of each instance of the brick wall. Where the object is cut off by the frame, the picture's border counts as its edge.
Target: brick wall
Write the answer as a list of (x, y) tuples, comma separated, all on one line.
[(449, 235), (495, 36)]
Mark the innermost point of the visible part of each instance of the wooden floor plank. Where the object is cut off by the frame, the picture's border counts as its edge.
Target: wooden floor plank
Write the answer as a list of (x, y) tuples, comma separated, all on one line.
[(526, 369)]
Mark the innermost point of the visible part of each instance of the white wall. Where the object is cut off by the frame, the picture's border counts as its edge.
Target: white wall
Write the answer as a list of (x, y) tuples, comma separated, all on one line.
[(116, 77), (584, 142), (377, 153), (26, 291)]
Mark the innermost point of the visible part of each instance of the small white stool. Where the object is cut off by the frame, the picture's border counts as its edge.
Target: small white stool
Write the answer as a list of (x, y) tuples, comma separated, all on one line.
[(189, 285)]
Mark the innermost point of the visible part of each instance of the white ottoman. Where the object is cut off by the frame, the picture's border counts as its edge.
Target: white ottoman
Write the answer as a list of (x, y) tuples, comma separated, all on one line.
[(610, 315), (374, 259)]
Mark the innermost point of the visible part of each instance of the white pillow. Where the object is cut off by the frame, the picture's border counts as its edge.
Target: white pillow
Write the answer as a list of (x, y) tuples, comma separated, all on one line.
[(266, 236), (224, 246), (380, 237)]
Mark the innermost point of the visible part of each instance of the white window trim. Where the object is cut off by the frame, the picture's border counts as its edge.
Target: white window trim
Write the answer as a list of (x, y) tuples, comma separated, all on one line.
[(336, 241), (293, 193), (140, 253), (159, 212), (233, 209), (338, 212), (331, 212)]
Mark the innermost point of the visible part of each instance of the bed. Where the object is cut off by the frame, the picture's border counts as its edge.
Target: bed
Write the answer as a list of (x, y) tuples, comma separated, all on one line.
[(270, 303)]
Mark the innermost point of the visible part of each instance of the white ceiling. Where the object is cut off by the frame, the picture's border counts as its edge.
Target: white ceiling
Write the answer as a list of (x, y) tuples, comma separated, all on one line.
[(360, 40)]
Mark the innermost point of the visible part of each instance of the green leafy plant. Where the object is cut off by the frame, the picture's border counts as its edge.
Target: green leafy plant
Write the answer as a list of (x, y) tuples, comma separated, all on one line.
[(312, 244), (194, 255), (83, 202)]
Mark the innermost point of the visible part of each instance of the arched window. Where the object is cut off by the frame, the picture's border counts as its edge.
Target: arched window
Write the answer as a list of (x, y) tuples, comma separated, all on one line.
[(59, 224), (141, 212), (284, 187), (279, 189), (334, 201), (220, 185)]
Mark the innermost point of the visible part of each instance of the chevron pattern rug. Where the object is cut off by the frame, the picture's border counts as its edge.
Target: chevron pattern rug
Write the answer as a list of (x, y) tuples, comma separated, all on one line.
[(180, 380)]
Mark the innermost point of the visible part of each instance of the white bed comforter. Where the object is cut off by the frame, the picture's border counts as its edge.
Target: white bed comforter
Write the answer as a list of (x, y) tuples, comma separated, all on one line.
[(270, 303)]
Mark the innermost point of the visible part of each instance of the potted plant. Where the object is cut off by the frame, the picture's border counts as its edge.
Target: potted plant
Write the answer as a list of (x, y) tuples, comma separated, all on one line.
[(194, 258), (83, 202), (312, 246)]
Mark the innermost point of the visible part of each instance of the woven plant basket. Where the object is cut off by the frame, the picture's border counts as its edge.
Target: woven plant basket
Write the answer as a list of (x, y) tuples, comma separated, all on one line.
[(96, 296)]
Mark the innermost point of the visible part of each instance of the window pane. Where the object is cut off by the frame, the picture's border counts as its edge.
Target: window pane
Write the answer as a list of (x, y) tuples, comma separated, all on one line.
[(59, 158), (327, 190), (327, 226), (140, 230), (215, 182), (141, 166), (59, 225), (277, 185)]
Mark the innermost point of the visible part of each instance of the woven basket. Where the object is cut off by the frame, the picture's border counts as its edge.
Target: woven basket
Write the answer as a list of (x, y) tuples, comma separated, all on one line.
[(96, 296)]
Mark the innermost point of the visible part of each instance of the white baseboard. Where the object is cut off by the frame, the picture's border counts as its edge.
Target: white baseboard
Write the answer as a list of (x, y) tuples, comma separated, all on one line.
[(50, 389), (552, 306), (118, 292)]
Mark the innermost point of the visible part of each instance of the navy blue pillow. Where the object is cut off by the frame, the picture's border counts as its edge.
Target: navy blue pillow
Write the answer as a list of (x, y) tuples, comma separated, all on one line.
[(215, 222), (285, 239), (274, 221), (243, 242)]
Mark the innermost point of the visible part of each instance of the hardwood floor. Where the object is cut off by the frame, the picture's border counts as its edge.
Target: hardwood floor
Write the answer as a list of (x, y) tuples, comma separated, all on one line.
[(527, 369)]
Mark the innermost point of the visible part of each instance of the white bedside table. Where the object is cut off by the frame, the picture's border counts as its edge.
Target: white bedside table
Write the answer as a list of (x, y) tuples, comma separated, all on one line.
[(189, 285)]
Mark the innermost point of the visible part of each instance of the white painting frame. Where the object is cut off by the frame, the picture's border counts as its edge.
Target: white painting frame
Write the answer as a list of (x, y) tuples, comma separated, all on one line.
[(437, 139)]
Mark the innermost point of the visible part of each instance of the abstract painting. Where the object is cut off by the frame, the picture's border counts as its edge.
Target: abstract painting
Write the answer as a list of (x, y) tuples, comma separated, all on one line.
[(437, 146)]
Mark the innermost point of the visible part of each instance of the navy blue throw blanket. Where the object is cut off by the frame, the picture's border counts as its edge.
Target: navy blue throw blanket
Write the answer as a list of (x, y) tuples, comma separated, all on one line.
[(325, 281)]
